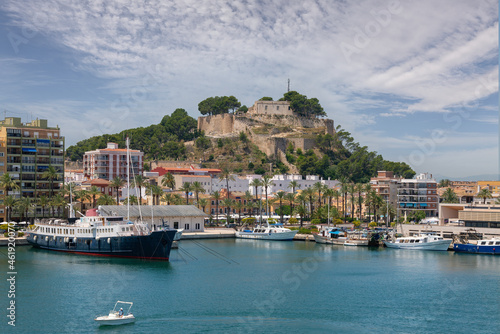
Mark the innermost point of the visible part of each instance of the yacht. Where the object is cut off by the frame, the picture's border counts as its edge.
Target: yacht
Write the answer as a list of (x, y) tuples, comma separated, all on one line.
[(487, 246), (103, 236), (424, 241), (269, 232)]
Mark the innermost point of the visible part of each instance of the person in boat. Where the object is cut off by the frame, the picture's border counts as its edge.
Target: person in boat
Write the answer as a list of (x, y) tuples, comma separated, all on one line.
[(120, 313)]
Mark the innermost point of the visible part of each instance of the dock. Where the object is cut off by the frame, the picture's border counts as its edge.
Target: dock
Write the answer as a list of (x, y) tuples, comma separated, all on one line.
[(21, 241)]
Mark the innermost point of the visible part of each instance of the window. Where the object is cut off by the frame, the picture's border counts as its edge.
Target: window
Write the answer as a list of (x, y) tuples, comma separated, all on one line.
[(176, 225), (198, 227), (186, 226), (26, 133), (1, 154)]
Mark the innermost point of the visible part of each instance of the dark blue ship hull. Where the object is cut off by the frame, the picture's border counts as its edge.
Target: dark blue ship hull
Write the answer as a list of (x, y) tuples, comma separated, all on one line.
[(155, 246), (475, 249)]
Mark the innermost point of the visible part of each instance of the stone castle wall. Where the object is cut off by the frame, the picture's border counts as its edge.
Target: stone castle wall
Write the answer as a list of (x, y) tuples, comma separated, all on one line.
[(231, 125)]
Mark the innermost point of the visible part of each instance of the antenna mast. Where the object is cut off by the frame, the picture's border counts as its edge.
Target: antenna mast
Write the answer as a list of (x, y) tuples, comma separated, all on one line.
[(288, 85)]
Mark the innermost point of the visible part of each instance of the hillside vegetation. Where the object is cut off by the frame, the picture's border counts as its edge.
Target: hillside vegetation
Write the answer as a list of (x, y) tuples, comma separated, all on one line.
[(176, 138)]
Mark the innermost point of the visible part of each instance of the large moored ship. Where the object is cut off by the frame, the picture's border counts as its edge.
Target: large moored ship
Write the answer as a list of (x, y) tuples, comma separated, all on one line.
[(103, 236)]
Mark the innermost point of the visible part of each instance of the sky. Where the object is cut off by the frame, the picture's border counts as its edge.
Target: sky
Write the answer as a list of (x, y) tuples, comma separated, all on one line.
[(416, 81)]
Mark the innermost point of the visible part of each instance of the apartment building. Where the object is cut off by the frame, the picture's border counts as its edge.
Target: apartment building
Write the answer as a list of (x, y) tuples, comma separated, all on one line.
[(418, 194), (27, 150), (386, 186), (111, 162)]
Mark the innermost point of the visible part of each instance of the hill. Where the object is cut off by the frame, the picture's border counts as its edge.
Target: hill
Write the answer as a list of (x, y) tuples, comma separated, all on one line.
[(268, 137)]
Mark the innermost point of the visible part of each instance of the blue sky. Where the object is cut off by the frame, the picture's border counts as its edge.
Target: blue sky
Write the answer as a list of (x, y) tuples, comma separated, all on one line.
[(414, 81)]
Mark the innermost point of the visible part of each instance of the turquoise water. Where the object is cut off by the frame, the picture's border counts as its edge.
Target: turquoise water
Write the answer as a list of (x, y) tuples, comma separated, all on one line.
[(252, 286)]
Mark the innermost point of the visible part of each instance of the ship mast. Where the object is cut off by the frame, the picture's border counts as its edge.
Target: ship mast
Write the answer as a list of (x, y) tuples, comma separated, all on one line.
[(128, 180)]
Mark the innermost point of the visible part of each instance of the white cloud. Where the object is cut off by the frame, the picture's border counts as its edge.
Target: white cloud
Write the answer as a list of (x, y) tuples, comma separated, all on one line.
[(427, 56)]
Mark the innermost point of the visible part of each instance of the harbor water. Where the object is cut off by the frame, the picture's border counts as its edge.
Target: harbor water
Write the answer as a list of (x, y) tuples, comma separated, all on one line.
[(254, 286)]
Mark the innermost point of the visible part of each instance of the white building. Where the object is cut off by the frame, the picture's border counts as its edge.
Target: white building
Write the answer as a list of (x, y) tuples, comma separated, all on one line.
[(187, 217), (111, 162)]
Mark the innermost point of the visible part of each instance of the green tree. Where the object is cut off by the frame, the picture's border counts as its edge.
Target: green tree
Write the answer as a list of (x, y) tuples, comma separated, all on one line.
[(444, 183), (203, 203), (280, 197), (228, 203), (485, 194), (93, 192), (449, 196), (303, 106), (256, 183), (186, 188), (9, 202), (140, 182), (197, 188), (116, 184), (43, 201), (7, 183), (218, 105), (226, 176), (266, 182), (216, 196), (105, 199), (168, 180), (51, 175), (59, 202)]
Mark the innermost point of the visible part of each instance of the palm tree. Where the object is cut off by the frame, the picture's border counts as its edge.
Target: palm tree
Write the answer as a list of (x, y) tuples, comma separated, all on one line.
[(226, 175), (280, 197), (106, 200), (140, 182), (344, 188), (216, 197), (168, 180), (84, 196), (336, 195), (368, 189), (319, 188), (131, 198), (484, 193), (359, 187), (177, 199), (117, 183), (301, 211), (58, 201), (238, 205), (449, 196), (352, 192), (248, 199), (329, 192), (7, 183), (186, 188), (228, 203), (290, 198), (293, 185), (168, 198), (43, 201), (157, 191), (310, 194), (203, 203), (255, 183), (93, 192), (22, 206), (197, 187), (266, 183), (9, 202), (51, 175)]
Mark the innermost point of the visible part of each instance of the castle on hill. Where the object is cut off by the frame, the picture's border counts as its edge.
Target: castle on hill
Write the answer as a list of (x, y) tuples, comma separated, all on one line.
[(271, 125)]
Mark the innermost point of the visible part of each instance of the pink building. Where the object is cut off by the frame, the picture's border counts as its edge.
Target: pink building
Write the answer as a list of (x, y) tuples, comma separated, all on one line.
[(111, 162)]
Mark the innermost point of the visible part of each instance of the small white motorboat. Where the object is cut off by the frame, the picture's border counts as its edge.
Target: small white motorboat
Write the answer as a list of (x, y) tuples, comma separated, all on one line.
[(117, 316)]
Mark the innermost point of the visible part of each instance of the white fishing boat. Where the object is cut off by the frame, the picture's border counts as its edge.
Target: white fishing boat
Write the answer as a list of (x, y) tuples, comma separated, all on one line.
[(356, 242), (117, 316), (424, 241), (269, 232)]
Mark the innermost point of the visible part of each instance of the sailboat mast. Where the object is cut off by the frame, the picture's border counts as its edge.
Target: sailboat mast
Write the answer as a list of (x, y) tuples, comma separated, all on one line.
[(128, 180)]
